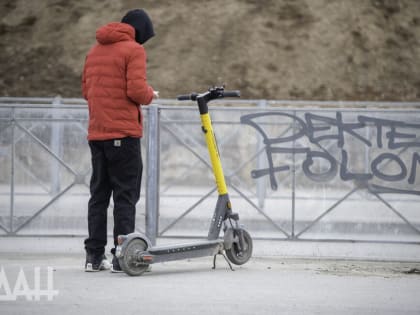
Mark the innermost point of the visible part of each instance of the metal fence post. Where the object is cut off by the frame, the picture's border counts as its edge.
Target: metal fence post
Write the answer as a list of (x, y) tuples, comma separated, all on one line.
[(56, 147), (152, 180), (261, 164), (12, 175), (293, 236)]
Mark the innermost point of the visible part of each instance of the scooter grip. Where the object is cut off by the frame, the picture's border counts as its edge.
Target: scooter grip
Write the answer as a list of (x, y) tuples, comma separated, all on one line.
[(232, 93), (187, 97)]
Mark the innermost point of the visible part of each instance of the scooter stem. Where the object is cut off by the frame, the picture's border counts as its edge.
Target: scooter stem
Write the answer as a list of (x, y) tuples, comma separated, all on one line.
[(214, 154), (212, 147)]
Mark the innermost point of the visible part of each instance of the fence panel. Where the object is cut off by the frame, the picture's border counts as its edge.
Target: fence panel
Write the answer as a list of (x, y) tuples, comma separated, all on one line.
[(299, 171)]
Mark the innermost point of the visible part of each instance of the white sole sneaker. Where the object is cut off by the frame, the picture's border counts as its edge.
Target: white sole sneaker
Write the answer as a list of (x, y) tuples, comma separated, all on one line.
[(89, 268), (105, 265), (115, 271)]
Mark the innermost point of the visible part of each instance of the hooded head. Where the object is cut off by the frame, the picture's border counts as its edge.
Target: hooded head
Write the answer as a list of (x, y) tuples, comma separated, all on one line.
[(141, 22)]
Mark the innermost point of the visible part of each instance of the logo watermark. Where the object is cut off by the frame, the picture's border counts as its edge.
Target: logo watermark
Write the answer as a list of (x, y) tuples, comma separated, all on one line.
[(22, 288)]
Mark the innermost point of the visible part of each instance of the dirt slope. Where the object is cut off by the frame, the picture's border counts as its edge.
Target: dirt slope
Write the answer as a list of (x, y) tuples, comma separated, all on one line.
[(275, 49)]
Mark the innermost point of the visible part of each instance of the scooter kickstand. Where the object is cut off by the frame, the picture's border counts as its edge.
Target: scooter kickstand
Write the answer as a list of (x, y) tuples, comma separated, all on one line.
[(224, 256)]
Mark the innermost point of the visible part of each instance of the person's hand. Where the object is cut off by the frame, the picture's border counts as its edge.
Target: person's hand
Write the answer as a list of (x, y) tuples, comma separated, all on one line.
[(155, 94)]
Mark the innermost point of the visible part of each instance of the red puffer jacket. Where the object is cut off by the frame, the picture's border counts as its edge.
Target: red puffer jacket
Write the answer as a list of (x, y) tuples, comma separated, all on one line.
[(114, 84)]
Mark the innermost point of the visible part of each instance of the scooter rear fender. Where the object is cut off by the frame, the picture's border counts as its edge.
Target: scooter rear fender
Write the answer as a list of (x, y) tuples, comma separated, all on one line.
[(126, 240)]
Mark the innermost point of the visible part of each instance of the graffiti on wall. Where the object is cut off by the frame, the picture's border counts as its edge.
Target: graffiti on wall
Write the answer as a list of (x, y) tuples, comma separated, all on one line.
[(391, 138)]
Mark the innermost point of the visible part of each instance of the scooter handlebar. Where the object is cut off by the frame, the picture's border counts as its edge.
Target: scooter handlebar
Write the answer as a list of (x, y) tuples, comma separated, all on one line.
[(220, 94)]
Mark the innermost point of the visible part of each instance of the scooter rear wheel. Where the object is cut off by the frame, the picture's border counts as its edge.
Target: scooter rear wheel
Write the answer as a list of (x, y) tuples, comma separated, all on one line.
[(237, 256), (128, 260)]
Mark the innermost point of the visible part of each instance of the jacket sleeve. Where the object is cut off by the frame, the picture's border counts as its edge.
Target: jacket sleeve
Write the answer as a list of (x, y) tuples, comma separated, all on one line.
[(137, 88), (84, 87)]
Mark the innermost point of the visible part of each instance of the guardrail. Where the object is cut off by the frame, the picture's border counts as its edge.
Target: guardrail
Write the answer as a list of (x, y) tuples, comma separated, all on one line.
[(323, 171)]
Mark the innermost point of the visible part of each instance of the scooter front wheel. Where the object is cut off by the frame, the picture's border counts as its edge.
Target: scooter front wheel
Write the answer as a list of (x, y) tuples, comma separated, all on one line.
[(128, 260), (237, 255)]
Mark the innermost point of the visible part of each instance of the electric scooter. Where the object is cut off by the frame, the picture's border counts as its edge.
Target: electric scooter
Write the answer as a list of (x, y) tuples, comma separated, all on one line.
[(135, 251)]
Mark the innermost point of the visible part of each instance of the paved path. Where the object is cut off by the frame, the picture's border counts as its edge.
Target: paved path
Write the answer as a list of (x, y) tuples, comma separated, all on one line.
[(265, 285)]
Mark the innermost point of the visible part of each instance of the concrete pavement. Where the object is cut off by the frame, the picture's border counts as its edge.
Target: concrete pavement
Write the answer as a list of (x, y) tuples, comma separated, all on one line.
[(265, 285)]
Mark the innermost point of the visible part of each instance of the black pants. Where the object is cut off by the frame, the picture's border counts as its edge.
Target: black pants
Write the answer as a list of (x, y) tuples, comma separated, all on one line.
[(116, 168)]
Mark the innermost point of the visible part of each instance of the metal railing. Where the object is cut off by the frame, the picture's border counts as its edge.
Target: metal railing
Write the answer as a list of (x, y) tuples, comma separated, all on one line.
[(324, 171)]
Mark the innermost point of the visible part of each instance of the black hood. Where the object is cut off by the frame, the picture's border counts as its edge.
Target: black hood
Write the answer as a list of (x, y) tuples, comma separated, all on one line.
[(141, 22)]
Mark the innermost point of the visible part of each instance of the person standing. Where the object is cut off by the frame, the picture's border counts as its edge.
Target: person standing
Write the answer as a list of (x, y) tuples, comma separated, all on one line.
[(115, 86)]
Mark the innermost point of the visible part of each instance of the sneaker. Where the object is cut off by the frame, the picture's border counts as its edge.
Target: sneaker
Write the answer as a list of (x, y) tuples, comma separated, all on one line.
[(115, 266), (96, 263)]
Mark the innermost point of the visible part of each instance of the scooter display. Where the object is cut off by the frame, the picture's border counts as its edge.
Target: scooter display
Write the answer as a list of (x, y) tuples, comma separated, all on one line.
[(135, 251)]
